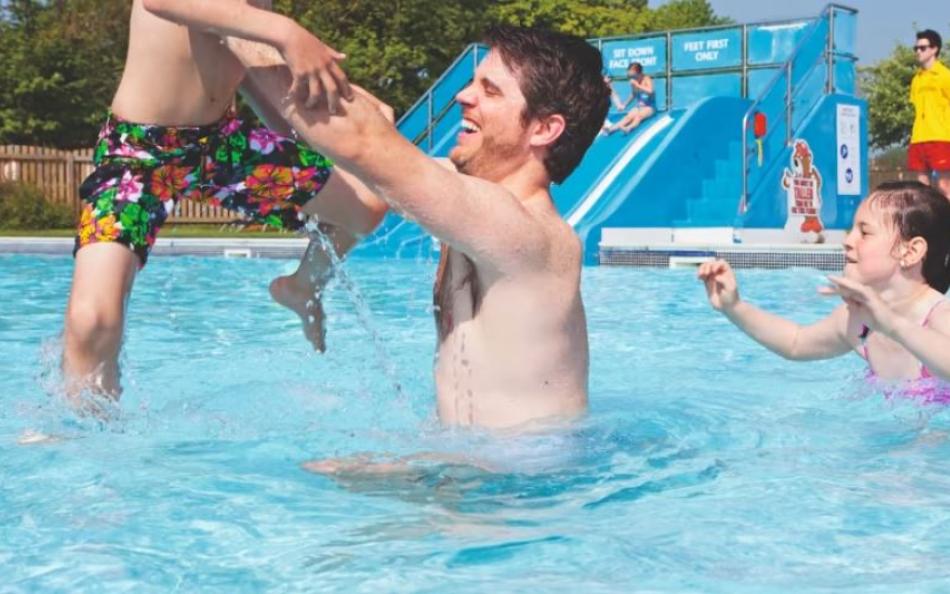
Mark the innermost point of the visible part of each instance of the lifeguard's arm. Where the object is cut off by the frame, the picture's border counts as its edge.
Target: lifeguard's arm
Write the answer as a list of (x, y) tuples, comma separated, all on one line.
[(313, 64), (344, 201), (479, 218), (824, 339)]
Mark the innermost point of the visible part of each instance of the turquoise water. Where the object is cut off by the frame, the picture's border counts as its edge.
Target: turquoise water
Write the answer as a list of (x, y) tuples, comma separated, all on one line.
[(705, 465)]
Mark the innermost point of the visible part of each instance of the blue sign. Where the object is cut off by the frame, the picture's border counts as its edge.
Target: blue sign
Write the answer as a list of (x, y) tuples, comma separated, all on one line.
[(619, 53), (708, 49)]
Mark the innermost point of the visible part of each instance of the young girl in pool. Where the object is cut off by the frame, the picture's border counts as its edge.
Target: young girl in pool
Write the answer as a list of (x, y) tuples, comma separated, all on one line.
[(895, 314)]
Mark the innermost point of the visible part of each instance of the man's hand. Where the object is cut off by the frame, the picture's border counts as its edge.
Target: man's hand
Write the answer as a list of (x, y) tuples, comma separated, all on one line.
[(383, 108), (315, 69)]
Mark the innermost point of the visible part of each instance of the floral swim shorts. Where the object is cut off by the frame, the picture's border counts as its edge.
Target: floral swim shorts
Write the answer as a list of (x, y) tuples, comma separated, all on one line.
[(143, 170)]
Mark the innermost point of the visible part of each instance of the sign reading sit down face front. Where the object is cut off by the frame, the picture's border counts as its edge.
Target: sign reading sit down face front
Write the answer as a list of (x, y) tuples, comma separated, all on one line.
[(649, 52), (707, 49)]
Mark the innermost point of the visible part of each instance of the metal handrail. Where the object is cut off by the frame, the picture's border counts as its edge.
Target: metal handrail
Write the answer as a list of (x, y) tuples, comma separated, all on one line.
[(599, 41), (786, 71), (697, 29), (472, 47)]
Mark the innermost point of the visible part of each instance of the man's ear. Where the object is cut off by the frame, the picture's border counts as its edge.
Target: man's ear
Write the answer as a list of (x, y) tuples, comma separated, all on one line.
[(547, 130)]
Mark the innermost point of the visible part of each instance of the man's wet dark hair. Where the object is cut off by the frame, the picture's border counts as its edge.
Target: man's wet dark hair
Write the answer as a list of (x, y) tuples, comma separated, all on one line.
[(557, 74), (636, 67)]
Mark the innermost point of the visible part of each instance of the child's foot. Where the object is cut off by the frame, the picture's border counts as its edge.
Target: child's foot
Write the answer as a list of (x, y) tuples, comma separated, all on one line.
[(302, 301)]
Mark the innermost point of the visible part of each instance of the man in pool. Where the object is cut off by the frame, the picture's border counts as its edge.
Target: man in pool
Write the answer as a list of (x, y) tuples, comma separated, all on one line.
[(173, 135), (512, 334)]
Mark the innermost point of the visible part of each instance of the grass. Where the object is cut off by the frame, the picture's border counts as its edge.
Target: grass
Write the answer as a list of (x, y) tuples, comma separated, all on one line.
[(171, 231)]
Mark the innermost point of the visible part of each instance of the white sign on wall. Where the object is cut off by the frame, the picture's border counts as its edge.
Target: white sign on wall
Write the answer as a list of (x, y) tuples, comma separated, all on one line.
[(848, 122)]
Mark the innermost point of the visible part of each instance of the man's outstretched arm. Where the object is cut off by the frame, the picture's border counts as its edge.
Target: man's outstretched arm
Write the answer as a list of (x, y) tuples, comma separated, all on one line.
[(480, 218)]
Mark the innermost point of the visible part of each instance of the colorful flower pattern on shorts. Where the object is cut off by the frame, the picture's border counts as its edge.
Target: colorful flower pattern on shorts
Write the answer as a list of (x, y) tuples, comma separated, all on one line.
[(143, 170)]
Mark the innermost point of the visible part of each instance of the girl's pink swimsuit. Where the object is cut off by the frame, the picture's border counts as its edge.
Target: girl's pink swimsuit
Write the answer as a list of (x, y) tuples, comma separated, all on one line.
[(926, 387)]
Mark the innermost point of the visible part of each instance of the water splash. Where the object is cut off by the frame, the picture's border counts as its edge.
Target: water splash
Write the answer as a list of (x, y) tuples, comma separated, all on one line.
[(363, 313)]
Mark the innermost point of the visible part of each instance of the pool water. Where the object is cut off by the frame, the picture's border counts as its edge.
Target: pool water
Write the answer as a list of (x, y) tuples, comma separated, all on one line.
[(706, 464)]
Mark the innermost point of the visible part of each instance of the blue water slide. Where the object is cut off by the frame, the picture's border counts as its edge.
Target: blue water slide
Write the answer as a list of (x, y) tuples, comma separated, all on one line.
[(695, 164), (673, 165), (607, 162)]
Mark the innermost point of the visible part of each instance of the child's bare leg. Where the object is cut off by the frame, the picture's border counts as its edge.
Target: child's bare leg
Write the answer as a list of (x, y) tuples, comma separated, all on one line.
[(348, 210), (346, 207), (102, 279), (635, 118), (630, 122), (302, 291)]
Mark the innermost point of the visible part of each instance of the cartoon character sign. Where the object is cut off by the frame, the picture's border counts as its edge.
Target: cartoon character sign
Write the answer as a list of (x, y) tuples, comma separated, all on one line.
[(802, 184)]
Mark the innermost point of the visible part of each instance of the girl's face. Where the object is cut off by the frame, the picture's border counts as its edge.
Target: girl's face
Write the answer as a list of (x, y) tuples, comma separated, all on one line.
[(872, 248)]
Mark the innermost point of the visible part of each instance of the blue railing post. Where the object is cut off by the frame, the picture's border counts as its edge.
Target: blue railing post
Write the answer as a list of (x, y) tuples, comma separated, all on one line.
[(429, 123), (744, 89), (789, 103), (830, 78), (669, 70)]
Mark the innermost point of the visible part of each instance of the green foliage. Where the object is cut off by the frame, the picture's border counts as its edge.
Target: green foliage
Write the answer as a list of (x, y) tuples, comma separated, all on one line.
[(595, 18), (685, 14), (886, 85), (60, 60), (23, 206), (604, 18), (892, 158), (59, 65), (394, 49)]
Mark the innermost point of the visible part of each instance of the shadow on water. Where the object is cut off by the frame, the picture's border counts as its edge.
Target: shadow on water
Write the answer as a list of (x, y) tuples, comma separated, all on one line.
[(596, 464)]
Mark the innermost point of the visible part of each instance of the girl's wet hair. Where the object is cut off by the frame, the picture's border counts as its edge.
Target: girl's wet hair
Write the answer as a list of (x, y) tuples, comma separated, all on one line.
[(920, 211)]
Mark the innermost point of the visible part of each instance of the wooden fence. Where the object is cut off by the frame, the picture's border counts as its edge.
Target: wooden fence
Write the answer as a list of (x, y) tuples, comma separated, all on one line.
[(58, 174), (879, 176)]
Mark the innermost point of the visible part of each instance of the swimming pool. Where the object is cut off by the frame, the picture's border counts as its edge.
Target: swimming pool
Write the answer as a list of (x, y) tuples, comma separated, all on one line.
[(706, 464)]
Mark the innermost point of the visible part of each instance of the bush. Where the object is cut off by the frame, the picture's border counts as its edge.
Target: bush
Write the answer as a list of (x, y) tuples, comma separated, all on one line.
[(23, 206)]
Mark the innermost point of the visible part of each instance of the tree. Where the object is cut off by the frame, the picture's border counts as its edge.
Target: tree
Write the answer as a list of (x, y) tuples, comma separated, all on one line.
[(60, 60), (595, 18), (685, 14), (605, 18), (59, 65), (394, 49), (886, 85)]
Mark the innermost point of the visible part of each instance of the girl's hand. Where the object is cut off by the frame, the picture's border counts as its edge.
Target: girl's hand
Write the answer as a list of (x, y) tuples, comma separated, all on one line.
[(721, 286), (863, 302)]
